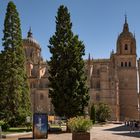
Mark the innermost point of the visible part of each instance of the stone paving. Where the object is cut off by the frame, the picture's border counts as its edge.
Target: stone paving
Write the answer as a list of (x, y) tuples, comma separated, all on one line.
[(114, 132), (106, 132)]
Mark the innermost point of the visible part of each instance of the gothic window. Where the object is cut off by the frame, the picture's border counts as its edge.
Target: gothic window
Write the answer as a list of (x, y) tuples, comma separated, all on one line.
[(129, 64), (98, 72), (125, 64), (126, 47), (121, 64)]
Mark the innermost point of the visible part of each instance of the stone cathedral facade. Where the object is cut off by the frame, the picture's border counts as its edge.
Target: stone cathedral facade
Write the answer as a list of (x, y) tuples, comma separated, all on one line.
[(37, 71), (113, 81)]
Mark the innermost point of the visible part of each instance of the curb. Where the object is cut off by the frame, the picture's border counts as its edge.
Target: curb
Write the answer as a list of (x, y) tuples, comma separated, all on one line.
[(16, 134)]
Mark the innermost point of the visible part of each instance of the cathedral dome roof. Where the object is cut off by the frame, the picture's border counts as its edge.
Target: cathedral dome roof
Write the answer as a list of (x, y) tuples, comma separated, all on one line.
[(30, 40), (125, 33), (126, 43)]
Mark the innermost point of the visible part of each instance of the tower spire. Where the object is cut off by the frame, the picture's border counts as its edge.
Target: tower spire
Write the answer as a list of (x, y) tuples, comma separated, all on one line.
[(30, 33), (125, 18), (125, 26)]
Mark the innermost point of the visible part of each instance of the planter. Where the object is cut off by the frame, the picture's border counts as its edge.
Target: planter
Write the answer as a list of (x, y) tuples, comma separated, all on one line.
[(80, 136)]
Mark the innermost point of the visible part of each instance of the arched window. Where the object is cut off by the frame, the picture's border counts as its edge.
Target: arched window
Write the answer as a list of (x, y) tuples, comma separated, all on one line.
[(121, 64), (125, 64), (129, 64), (126, 47)]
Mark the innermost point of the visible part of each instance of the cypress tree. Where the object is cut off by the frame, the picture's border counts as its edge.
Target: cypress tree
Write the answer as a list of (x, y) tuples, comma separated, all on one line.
[(68, 90), (14, 84)]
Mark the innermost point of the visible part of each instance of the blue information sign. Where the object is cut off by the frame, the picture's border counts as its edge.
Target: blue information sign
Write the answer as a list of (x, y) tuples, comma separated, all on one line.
[(40, 126)]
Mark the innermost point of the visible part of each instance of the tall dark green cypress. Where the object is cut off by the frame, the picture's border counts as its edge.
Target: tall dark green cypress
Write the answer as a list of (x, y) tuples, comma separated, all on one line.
[(14, 84), (68, 90)]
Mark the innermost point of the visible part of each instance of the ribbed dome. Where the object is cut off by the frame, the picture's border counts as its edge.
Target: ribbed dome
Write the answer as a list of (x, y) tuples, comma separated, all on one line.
[(125, 33), (30, 40)]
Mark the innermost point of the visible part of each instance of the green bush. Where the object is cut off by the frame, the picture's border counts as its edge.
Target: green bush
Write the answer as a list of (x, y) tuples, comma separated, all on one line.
[(79, 124), (103, 112), (18, 121), (93, 114), (4, 125)]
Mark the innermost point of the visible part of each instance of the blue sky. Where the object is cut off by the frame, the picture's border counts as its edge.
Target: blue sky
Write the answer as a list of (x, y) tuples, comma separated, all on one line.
[(97, 22)]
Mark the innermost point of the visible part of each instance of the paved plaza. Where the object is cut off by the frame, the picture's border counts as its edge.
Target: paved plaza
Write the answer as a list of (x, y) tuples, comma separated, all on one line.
[(106, 132), (114, 132)]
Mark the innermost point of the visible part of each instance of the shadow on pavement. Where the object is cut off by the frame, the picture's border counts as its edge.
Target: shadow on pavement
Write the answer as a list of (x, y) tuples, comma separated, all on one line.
[(124, 131), (133, 134), (118, 128)]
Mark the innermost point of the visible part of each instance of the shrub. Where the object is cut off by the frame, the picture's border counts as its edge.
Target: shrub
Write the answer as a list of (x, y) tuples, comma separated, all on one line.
[(103, 112), (18, 121), (4, 125), (93, 114), (79, 124)]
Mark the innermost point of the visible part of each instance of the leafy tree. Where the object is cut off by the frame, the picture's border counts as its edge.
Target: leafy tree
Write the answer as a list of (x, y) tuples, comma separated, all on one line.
[(93, 114), (102, 112), (68, 91), (14, 88)]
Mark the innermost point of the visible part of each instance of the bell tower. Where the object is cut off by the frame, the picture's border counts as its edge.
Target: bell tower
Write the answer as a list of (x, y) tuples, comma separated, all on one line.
[(125, 63), (126, 43)]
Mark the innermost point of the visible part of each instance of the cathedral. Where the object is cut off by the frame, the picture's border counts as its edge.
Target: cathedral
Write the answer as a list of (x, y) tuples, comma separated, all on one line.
[(37, 72), (113, 81)]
